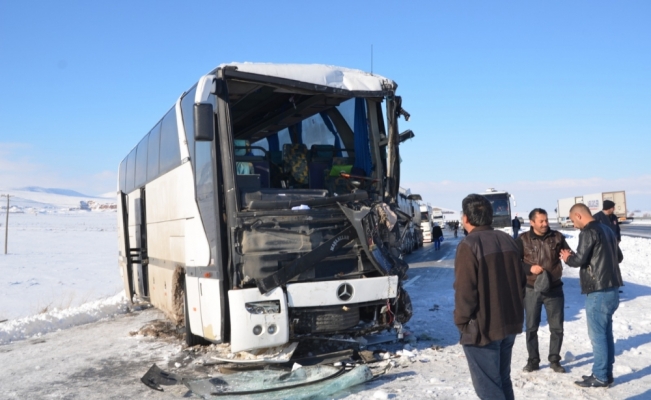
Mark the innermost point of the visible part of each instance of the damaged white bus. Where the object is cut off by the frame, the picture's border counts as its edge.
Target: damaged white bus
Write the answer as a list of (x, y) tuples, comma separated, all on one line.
[(259, 209)]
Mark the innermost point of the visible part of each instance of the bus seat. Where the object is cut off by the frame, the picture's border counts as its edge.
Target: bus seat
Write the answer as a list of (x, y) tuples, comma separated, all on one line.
[(295, 163), (322, 151), (337, 184), (276, 157), (240, 149), (321, 156)]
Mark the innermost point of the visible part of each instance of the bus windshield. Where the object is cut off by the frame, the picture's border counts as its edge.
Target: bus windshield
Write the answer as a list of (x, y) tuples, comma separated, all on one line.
[(500, 207)]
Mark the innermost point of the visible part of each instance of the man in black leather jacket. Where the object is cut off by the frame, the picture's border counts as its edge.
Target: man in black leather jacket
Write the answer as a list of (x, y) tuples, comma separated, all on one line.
[(598, 256)]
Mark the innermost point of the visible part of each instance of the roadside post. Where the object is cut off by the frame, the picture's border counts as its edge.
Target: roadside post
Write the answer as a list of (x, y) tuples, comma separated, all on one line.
[(6, 220)]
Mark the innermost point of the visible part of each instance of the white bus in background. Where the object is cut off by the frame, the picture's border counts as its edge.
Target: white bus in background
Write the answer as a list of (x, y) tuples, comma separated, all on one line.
[(250, 213), (502, 210)]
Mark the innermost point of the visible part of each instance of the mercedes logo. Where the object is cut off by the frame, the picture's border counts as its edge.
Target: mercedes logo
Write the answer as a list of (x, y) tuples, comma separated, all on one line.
[(345, 291)]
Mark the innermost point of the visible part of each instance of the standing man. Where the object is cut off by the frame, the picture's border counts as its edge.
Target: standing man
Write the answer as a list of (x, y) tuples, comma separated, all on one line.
[(540, 248), (488, 299), (607, 217), (598, 256), (515, 224), (437, 235)]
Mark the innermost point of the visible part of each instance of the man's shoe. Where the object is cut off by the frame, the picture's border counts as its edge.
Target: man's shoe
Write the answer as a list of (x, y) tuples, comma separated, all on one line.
[(557, 367), (610, 379), (591, 381), (531, 366)]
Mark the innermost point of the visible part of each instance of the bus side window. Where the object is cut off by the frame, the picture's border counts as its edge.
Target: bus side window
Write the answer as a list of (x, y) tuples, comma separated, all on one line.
[(170, 153), (187, 105), (152, 153), (141, 162), (131, 171), (123, 175)]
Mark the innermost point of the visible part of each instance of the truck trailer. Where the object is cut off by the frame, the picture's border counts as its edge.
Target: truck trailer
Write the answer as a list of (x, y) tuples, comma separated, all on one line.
[(594, 202)]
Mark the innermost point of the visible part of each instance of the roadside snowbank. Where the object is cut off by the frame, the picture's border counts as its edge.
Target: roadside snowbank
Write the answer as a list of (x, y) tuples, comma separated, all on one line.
[(55, 320)]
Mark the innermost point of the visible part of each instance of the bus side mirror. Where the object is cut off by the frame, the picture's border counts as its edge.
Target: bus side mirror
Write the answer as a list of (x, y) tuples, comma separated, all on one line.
[(204, 122)]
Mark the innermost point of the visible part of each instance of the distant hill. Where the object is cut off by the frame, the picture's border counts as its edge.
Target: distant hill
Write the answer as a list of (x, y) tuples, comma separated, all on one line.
[(51, 198), (63, 192)]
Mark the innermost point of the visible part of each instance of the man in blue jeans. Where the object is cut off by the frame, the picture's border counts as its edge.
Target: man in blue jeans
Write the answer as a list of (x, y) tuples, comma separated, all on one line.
[(437, 236), (489, 282), (598, 256)]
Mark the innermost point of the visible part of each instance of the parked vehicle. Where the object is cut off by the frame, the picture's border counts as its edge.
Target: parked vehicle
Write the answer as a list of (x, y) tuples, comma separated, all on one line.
[(438, 218), (595, 204), (501, 202), (410, 231), (566, 222), (262, 207), (426, 223)]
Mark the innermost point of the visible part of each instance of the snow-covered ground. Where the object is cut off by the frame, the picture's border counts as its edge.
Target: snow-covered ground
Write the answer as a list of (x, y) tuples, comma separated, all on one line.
[(56, 261), (61, 260)]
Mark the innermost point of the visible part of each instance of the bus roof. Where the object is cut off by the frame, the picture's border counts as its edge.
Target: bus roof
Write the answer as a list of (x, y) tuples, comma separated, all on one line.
[(353, 80)]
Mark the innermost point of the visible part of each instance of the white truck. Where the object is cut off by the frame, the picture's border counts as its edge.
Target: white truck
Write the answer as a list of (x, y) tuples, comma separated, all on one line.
[(410, 232), (426, 224), (594, 202), (438, 218)]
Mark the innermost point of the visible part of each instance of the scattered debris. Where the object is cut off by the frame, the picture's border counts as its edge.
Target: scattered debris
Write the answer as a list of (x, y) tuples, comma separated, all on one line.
[(160, 329), (298, 383), (156, 377)]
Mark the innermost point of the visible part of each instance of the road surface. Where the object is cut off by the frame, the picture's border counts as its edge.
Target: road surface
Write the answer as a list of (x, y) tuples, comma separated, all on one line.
[(634, 230)]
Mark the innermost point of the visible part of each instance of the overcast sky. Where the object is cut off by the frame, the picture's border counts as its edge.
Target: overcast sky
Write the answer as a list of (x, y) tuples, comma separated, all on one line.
[(544, 100)]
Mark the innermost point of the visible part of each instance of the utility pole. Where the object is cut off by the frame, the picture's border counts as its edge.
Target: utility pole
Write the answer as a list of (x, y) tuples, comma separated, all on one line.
[(6, 220)]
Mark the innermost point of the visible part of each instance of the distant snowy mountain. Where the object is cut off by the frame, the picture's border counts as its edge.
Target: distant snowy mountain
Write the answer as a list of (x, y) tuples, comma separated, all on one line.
[(53, 199), (108, 195), (63, 192)]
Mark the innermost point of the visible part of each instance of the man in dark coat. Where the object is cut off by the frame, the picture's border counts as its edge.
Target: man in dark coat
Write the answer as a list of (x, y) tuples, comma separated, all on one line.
[(607, 217), (489, 285), (598, 255), (437, 236), (540, 247), (515, 224)]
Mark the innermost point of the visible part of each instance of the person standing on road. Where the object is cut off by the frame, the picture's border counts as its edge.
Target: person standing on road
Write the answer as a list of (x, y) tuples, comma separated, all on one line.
[(489, 283), (515, 224), (540, 248), (598, 255), (437, 236), (455, 228), (607, 217)]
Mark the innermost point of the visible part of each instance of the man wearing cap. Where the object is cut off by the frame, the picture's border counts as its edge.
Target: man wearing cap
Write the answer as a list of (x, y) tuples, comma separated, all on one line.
[(540, 248), (607, 217)]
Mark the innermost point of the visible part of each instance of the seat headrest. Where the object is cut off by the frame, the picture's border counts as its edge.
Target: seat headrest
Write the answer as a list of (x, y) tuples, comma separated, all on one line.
[(241, 146)]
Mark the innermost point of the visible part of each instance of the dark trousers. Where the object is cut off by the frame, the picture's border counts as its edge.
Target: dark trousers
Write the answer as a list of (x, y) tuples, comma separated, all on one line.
[(437, 243), (554, 302), (490, 368)]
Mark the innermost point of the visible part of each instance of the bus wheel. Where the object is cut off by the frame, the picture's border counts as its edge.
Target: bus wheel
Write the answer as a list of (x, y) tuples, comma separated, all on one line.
[(190, 338)]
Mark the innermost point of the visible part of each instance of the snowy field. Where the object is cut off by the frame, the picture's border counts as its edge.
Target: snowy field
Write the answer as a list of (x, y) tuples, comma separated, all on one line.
[(58, 261)]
